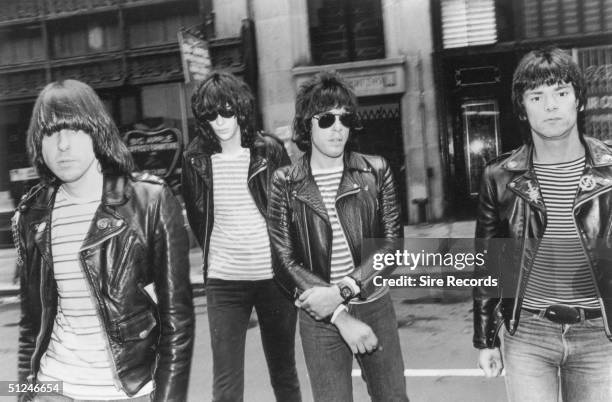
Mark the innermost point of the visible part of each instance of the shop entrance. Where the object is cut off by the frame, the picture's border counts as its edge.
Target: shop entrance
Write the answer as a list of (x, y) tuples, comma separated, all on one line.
[(382, 135)]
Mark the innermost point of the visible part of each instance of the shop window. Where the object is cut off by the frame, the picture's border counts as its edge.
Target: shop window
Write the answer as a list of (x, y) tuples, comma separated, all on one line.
[(481, 138), (77, 37), (596, 62), (468, 23), (549, 18), (148, 27), (345, 30), (21, 45)]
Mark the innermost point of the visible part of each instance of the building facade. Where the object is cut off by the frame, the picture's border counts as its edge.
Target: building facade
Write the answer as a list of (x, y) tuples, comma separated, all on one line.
[(383, 48), (478, 44), (128, 51)]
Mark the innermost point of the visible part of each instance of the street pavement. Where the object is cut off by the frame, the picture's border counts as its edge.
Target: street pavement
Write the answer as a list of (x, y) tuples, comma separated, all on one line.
[(435, 329)]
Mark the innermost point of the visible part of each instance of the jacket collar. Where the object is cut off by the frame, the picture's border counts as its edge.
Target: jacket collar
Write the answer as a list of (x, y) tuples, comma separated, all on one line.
[(198, 153), (107, 222), (595, 178), (116, 191), (306, 189)]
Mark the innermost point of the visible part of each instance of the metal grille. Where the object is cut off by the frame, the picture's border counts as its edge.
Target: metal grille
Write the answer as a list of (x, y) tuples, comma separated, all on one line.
[(596, 63)]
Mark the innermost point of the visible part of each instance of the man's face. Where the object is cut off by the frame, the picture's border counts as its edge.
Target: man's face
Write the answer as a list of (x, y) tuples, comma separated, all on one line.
[(329, 142), (69, 154), (552, 111), (226, 129)]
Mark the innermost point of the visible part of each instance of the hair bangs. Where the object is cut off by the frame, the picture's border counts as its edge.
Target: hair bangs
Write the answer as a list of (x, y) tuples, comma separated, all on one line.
[(66, 108), (219, 90), (331, 96), (548, 74), (73, 105), (215, 95)]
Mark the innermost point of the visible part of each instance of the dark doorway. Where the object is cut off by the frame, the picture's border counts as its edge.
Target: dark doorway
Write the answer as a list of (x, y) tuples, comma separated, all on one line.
[(382, 135)]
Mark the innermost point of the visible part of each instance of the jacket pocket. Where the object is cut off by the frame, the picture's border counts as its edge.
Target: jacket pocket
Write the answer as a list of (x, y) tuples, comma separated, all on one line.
[(138, 327)]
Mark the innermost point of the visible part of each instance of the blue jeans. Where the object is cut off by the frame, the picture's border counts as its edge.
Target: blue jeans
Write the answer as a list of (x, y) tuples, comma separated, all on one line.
[(548, 362), (329, 359), (229, 308)]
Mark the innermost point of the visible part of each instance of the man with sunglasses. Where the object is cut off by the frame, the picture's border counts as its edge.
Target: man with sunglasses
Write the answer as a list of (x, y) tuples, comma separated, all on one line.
[(225, 176), (321, 210)]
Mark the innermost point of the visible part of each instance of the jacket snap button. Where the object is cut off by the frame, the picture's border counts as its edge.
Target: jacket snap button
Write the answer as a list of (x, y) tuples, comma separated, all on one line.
[(103, 223), (142, 334), (512, 184), (119, 223)]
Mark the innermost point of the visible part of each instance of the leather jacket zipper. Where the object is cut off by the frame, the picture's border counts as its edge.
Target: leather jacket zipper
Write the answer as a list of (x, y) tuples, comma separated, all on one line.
[(307, 238), (102, 318), (355, 191), (519, 288), (43, 328), (261, 169), (591, 271)]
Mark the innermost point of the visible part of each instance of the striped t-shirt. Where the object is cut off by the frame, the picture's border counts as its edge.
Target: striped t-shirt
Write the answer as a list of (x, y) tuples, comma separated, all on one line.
[(328, 182), (78, 352), (560, 273), (239, 243)]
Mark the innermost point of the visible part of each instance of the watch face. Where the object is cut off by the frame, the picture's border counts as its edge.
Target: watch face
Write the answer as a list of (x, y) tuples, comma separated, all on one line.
[(346, 292)]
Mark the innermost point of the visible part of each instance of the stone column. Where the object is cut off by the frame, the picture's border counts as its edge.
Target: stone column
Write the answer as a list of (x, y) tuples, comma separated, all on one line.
[(281, 29), (407, 27)]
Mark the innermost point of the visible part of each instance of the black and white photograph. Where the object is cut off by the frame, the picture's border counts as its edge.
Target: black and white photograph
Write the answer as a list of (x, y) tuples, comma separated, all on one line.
[(306, 200)]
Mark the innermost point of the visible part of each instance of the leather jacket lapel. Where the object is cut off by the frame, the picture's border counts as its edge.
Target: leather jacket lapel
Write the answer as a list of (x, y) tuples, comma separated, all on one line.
[(107, 222), (526, 185), (305, 188), (596, 178)]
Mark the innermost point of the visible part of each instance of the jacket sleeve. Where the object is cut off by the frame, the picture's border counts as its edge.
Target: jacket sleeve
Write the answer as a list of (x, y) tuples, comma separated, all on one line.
[(27, 327), (486, 320), (175, 304), (288, 270), (191, 189), (390, 235)]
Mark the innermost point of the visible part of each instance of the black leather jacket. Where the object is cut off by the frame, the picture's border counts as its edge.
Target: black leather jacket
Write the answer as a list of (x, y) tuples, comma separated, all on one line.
[(510, 208), (137, 237), (301, 233), (267, 154)]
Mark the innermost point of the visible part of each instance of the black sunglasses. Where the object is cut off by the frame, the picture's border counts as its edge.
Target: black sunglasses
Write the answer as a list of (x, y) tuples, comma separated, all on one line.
[(212, 116), (327, 120)]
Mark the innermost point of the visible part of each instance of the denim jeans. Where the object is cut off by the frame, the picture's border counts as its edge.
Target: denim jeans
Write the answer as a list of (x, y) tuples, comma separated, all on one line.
[(329, 359), (548, 362), (229, 307)]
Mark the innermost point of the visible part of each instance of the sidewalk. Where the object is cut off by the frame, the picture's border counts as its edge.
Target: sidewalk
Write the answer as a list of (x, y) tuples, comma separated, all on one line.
[(442, 230)]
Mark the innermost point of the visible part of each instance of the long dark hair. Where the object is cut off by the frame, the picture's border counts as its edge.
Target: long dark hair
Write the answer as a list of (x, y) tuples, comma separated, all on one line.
[(219, 90), (74, 105), (326, 90)]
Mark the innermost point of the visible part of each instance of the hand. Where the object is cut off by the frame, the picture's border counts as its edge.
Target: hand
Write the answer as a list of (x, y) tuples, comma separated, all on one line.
[(358, 335), (490, 361), (320, 301)]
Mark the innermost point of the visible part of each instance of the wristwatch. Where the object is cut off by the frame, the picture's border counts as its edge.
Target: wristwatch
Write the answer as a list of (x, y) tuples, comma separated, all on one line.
[(346, 292)]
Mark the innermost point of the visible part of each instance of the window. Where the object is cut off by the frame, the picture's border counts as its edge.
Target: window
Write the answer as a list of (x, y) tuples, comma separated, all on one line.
[(83, 36), (345, 30), (546, 18), (468, 23)]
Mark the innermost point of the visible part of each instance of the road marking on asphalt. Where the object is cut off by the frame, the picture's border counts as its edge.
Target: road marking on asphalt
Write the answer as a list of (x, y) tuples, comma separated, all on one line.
[(436, 373)]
